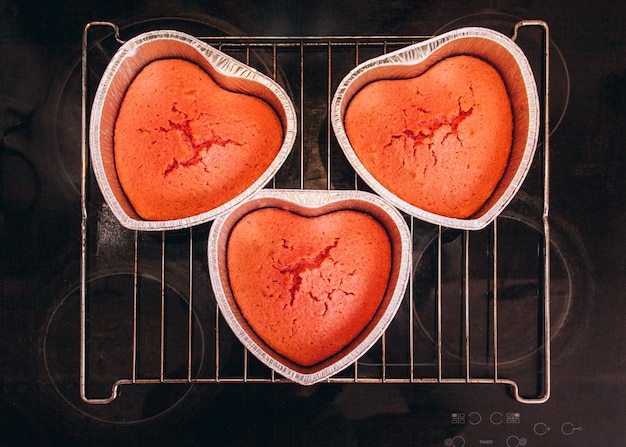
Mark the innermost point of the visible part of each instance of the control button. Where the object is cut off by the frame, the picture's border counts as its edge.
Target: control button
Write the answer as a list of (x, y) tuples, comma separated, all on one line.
[(513, 418), (496, 418), (457, 418), (541, 428), (515, 441), (474, 418), (569, 429), (457, 441)]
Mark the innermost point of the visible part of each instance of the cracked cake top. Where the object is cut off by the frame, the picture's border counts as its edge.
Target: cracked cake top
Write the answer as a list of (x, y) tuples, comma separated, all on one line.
[(308, 285), (439, 141), (183, 145)]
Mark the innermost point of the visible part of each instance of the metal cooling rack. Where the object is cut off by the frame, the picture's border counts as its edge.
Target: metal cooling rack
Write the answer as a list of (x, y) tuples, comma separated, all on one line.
[(426, 359)]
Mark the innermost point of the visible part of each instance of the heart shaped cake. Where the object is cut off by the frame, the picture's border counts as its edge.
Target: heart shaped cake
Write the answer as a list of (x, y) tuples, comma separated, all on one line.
[(439, 141), (181, 132), (309, 280), (308, 285), (445, 129), (184, 145)]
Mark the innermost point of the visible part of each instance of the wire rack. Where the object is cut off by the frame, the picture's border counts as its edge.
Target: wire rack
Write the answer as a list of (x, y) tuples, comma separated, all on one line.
[(201, 348)]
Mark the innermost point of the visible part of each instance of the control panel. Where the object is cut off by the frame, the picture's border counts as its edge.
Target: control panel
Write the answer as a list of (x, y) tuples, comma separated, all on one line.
[(509, 429)]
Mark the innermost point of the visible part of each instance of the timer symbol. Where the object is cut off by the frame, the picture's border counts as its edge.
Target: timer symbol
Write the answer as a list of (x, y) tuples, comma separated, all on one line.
[(457, 441), (474, 418), (515, 441), (569, 429), (541, 429)]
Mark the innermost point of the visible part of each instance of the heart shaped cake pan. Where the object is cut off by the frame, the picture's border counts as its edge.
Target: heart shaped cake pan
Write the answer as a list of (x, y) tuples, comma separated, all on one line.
[(311, 204), (413, 61), (226, 71)]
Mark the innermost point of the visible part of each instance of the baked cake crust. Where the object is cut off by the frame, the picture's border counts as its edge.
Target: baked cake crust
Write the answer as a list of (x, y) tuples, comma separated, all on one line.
[(183, 145), (440, 141), (308, 286)]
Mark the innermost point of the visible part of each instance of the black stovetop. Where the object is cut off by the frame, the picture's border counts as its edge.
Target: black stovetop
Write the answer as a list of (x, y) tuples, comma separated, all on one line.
[(40, 244)]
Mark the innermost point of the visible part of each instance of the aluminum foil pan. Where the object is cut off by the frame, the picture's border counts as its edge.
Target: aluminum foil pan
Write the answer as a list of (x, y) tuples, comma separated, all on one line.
[(310, 204), (231, 74), (411, 61)]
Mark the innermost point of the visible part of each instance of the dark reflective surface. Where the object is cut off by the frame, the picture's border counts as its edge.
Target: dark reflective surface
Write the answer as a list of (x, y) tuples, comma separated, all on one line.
[(40, 227)]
